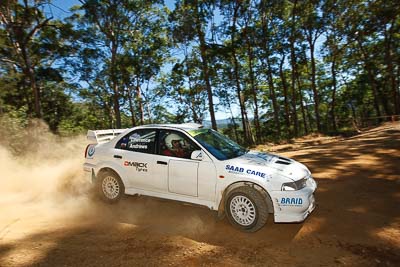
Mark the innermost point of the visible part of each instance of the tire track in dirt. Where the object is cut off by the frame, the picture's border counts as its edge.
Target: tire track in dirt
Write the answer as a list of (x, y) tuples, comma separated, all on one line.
[(356, 223)]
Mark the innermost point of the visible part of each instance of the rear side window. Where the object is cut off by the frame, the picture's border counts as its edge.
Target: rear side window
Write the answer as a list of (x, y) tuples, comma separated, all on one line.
[(142, 140)]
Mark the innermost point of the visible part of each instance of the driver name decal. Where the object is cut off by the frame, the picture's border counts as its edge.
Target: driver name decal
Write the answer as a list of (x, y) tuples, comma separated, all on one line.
[(241, 170), (137, 146), (140, 166)]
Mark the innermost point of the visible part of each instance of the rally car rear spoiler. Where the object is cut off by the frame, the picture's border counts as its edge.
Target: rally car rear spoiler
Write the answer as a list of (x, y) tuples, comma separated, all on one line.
[(102, 136)]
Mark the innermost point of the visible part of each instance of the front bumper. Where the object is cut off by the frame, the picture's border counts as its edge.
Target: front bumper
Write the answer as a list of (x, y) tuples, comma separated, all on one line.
[(294, 206)]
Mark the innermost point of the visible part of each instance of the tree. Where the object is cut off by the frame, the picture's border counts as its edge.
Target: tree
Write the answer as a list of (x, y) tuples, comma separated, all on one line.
[(313, 28), (143, 58), (21, 22), (127, 35), (269, 22), (189, 20), (293, 61), (233, 12)]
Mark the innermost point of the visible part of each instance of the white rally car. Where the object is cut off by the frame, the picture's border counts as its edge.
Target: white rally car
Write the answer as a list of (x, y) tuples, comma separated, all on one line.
[(189, 163)]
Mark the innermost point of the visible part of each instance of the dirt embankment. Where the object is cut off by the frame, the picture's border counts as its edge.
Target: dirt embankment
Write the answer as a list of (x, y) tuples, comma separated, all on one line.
[(47, 219)]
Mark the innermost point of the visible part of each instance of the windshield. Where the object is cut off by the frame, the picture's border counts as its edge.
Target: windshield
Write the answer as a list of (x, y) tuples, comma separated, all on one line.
[(217, 144)]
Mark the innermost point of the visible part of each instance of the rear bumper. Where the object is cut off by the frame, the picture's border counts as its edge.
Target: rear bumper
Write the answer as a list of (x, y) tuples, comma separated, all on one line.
[(294, 206)]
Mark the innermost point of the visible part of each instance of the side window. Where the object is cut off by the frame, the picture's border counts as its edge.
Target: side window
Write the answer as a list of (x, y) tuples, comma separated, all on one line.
[(176, 144), (142, 140)]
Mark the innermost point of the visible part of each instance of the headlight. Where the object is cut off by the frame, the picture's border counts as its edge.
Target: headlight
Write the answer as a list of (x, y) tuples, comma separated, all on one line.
[(289, 186), (292, 186)]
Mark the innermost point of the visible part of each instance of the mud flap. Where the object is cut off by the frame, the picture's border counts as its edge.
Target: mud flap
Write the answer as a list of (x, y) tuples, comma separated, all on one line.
[(221, 208)]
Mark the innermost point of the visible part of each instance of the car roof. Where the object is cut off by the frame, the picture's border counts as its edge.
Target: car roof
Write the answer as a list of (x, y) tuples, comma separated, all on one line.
[(182, 126)]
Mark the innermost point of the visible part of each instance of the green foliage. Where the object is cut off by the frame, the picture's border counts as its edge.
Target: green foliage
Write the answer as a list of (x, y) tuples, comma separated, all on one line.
[(12, 128), (83, 117), (121, 46), (284, 68)]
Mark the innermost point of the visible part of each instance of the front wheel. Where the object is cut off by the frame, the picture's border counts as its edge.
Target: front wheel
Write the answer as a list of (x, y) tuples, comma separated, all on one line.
[(110, 187), (247, 209)]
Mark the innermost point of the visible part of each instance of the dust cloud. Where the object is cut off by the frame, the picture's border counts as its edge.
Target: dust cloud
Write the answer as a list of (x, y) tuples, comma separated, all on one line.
[(41, 174), (45, 198)]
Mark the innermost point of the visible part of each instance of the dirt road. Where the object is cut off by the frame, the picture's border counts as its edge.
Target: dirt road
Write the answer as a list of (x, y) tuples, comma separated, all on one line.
[(356, 222)]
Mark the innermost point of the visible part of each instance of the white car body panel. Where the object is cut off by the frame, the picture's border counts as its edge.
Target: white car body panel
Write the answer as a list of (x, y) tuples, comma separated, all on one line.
[(183, 177), (142, 171), (204, 181), (207, 180)]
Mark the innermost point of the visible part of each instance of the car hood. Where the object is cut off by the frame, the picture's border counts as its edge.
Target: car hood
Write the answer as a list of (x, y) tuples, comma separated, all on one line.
[(270, 163)]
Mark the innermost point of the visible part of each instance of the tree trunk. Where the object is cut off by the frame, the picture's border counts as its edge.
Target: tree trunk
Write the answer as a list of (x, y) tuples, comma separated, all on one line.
[(314, 85), (108, 112), (294, 97), (139, 100), (372, 80), (397, 89), (307, 110), (294, 72), (30, 74), (204, 62), (195, 117), (150, 116), (116, 106), (390, 68), (333, 103), (131, 107), (20, 35), (243, 112), (285, 97), (302, 108), (246, 128), (234, 123), (253, 86), (273, 97), (254, 93), (114, 83), (192, 104)]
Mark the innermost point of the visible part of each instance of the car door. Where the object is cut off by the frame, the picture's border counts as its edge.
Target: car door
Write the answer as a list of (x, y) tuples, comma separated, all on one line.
[(182, 171), (137, 152)]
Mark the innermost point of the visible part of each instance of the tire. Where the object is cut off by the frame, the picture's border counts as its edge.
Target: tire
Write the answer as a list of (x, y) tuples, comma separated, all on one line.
[(110, 187), (247, 209)]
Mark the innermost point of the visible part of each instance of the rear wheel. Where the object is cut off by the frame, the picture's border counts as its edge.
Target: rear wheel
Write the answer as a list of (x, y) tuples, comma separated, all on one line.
[(110, 187), (247, 209)]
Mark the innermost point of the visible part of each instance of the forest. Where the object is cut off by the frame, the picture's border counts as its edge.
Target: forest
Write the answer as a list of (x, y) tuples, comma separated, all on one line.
[(276, 69)]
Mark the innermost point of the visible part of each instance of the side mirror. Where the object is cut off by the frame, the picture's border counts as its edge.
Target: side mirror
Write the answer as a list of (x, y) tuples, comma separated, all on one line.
[(197, 155)]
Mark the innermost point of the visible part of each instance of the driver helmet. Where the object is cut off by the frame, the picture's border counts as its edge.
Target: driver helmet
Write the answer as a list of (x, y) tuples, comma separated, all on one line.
[(171, 138)]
